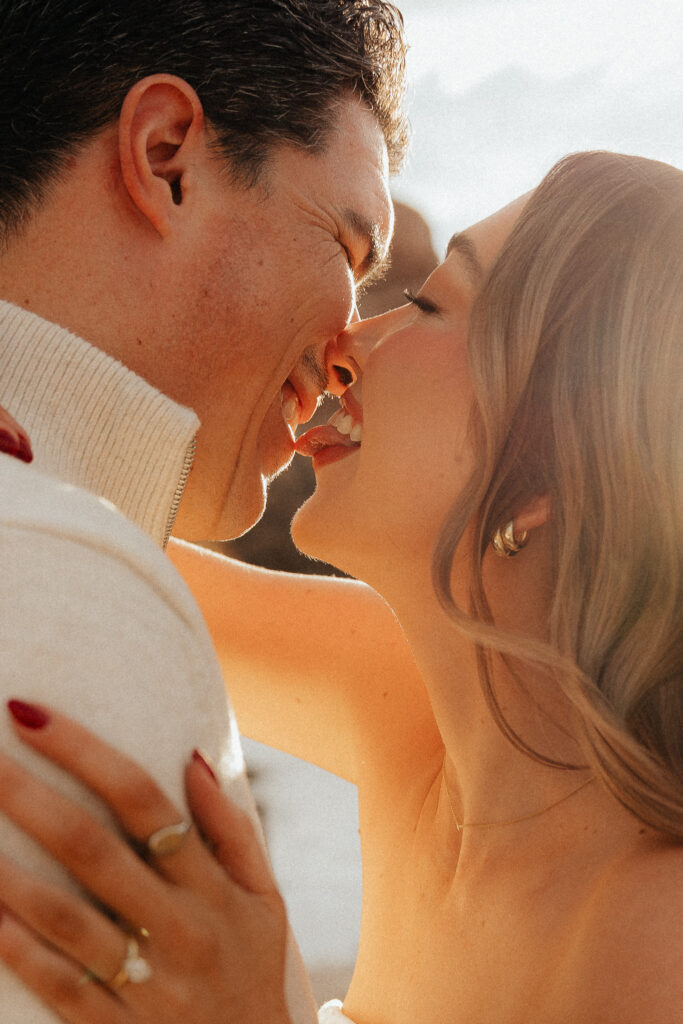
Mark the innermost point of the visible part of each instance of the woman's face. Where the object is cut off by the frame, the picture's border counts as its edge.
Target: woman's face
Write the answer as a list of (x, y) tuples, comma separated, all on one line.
[(379, 505)]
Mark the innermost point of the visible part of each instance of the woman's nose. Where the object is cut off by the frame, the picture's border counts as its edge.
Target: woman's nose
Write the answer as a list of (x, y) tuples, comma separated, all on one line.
[(341, 373), (346, 355)]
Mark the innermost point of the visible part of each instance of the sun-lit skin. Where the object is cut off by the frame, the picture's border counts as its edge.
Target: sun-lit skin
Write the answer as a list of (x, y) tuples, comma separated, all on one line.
[(291, 263), (385, 691), (433, 894), (558, 906), (413, 394), (227, 300)]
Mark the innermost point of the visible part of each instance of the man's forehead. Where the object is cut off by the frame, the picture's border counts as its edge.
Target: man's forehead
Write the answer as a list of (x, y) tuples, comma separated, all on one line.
[(350, 181), (370, 212)]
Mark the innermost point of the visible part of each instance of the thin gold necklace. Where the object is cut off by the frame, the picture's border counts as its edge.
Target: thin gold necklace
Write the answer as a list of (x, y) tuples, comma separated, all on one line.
[(512, 821)]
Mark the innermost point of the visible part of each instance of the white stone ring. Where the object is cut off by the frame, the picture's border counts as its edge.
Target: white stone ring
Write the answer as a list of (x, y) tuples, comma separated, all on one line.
[(169, 839), (134, 967)]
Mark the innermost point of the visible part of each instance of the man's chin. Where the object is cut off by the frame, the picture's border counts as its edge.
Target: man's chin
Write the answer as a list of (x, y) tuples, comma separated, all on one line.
[(238, 511), (279, 470), (231, 521), (243, 519), (235, 522)]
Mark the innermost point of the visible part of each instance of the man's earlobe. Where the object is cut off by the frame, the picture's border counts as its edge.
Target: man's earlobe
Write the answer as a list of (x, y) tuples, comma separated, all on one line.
[(161, 123)]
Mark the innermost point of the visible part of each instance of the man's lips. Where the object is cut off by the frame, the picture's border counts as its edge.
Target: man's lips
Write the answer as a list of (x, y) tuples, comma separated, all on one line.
[(304, 387), (291, 406)]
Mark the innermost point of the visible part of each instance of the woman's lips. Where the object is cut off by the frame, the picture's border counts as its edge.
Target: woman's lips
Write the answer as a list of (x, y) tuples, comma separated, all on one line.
[(337, 439), (324, 456), (314, 440)]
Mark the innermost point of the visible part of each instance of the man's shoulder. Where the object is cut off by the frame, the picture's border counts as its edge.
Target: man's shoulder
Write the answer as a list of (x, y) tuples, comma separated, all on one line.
[(46, 515), (92, 608), (96, 621), (35, 500)]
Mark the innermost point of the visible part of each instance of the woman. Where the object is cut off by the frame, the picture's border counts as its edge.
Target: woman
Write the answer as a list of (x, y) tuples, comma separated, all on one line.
[(520, 763)]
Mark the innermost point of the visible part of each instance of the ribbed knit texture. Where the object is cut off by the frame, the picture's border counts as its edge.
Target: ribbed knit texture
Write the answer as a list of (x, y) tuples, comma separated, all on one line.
[(93, 618), (92, 422)]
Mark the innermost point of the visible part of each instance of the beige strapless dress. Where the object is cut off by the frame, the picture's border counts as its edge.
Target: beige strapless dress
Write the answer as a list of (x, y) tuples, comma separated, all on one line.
[(331, 1013)]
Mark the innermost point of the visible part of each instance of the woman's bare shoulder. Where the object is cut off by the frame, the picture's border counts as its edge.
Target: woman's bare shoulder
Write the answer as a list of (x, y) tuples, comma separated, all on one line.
[(628, 954)]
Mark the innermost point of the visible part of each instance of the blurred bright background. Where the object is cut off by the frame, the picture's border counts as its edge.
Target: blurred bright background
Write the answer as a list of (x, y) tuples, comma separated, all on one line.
[(499, 90)]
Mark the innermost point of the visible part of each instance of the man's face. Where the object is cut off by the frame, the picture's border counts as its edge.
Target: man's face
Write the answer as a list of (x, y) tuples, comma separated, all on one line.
[(267, 283)]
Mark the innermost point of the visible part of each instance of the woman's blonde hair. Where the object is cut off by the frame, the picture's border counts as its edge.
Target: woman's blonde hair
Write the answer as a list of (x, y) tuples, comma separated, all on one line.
[(576, 352)]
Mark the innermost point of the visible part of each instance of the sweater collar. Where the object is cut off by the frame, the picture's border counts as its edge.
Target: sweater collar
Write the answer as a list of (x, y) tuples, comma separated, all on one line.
[(93, 422)]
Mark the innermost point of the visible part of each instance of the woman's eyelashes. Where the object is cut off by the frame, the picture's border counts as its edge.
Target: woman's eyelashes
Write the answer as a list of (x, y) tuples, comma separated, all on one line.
[(424, 305)]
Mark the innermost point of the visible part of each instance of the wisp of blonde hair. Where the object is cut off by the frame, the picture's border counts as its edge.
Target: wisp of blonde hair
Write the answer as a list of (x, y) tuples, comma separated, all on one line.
[(576, 354)]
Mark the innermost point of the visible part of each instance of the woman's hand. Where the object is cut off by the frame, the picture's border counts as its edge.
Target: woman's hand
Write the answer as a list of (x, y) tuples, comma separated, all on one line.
[(211, 927), (13, 438)]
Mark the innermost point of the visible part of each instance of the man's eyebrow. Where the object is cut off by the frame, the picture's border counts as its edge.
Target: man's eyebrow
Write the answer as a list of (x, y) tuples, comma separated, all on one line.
[(465, 247), (376, 257)]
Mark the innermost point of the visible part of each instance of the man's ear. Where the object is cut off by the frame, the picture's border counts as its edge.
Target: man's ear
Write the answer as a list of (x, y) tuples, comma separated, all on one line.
[(160, 126), (533, 514)]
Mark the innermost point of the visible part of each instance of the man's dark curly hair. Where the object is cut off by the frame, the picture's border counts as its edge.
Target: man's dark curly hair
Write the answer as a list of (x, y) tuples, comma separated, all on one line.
[(266, 71)]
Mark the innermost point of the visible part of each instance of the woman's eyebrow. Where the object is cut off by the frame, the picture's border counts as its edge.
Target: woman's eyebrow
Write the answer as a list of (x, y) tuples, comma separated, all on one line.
[(465, 247)]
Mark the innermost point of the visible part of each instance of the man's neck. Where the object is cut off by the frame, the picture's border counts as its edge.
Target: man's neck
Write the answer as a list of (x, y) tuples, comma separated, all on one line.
[(93, 423)]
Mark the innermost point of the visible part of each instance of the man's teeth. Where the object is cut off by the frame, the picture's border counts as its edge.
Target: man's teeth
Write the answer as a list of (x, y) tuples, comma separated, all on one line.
[(343, 422), (289, 409)]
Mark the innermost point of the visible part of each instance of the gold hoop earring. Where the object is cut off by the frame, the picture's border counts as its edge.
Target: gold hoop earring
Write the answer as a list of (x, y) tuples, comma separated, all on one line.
[(505, 543)]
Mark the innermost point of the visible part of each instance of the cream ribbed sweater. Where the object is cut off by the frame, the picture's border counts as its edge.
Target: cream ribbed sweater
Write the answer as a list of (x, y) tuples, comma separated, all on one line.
[(93, 618), (91, 421)]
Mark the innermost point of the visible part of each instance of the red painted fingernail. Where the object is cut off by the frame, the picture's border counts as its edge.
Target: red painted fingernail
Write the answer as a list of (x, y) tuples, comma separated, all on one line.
[(25, 451), (28, 715), (8, 442), (203, 760)]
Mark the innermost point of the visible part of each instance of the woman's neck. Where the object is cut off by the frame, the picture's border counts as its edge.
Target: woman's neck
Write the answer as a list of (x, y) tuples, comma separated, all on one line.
[(486, 778)]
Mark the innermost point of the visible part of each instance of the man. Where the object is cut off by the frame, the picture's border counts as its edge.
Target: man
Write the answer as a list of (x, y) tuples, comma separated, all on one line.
[(189, 194)]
